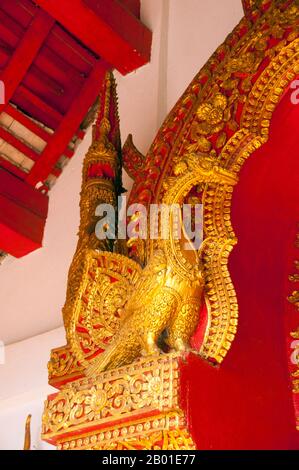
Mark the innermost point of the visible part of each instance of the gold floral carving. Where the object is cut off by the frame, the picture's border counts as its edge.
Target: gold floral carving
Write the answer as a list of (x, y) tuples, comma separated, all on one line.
[(295, 277), (148, 386)]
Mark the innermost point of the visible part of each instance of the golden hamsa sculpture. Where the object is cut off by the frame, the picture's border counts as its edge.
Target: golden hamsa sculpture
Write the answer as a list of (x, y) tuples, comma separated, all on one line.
[(132, 300)]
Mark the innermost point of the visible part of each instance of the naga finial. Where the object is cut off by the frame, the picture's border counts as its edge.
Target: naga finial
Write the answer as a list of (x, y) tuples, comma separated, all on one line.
[(27, 439)]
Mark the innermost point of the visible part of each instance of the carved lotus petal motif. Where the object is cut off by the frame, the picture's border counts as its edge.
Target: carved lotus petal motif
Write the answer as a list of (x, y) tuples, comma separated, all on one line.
[(220, 101), (216, 116), (204, 111), (211, 115)]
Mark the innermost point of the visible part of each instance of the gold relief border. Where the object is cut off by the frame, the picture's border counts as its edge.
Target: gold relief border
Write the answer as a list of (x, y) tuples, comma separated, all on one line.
[(255, 123), (137, 429), (145, 364), (269, 88)]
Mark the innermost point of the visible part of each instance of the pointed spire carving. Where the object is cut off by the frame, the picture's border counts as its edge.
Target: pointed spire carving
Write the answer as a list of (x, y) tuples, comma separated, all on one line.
[(101, 184)]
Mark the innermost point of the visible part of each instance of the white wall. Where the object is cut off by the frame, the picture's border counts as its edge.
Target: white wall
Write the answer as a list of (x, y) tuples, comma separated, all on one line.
[(196, 29), (186, 32), (23, 388)]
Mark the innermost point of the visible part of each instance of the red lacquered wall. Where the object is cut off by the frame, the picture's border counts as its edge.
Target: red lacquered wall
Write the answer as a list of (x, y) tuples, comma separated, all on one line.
[(246, 403)]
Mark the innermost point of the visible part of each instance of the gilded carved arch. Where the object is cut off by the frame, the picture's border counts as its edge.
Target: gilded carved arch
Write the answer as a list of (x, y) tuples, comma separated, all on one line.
[(221, 119)]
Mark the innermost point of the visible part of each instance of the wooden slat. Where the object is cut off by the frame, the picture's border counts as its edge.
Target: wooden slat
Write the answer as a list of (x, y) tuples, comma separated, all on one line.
[(69, 125), (16, 143), (46, 87), (25, 53), (28, 123)]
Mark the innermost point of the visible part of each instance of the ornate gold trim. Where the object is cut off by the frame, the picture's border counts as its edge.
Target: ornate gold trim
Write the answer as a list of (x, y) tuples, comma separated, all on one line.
[(166, 431), (120, 408), (223, 314)]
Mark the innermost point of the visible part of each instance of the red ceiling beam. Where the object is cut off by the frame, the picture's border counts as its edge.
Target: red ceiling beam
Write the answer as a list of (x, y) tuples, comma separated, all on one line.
[(11, 168), (107, 28), (23, 214), (25, 54), (68, 126), (23, 94), (132, 5)]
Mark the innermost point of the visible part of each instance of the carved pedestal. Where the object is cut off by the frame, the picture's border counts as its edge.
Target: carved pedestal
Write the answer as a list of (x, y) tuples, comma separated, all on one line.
[(134, 407)]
